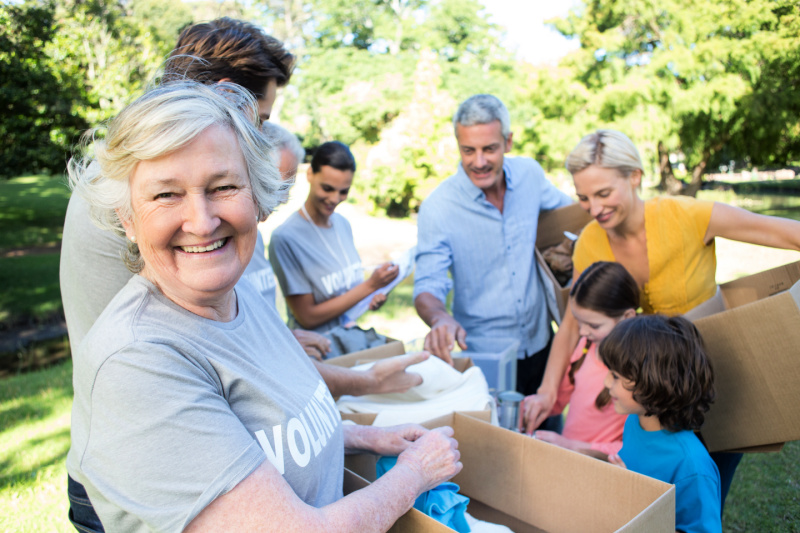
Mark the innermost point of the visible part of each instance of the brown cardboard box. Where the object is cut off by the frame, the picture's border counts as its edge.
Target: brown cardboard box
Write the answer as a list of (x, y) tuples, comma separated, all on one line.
[(754, 347), (390, 349), (532, 486), (550, 232)]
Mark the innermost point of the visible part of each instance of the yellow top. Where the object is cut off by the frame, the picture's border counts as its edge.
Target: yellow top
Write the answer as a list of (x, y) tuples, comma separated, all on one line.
[(682, 267)]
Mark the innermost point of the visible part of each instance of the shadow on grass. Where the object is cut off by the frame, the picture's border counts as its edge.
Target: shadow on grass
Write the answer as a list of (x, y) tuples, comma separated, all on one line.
[(12, 476)]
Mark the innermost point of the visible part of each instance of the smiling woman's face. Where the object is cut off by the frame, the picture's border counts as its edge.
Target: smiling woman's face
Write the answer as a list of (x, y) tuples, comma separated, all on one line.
[(194, 219)]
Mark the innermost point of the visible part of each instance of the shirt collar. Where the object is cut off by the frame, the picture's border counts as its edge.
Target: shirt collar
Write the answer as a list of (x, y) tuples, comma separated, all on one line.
[(474, 192)]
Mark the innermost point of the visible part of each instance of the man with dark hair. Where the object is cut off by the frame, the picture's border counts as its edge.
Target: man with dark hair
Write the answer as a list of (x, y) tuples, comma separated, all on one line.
[(227, 49)]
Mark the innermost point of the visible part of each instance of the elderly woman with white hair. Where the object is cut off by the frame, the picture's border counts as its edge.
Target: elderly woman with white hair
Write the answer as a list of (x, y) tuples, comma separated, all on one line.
[(192, 411)]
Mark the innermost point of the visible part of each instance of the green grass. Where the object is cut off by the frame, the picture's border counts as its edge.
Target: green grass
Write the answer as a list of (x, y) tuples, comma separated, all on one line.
[(35, 418), (30, 287), (765, 495), (32, 210)]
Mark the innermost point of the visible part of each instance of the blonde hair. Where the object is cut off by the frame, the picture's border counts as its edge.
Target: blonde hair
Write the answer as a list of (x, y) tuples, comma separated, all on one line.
[(158, 123), (606, 149)]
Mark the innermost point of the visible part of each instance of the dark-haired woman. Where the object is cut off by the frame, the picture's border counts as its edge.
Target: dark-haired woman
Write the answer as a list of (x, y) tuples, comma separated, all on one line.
[(313, 253)]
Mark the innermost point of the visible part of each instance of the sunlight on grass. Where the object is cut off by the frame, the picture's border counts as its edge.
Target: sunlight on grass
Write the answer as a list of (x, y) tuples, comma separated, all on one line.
[(35, 418), (32, 210)]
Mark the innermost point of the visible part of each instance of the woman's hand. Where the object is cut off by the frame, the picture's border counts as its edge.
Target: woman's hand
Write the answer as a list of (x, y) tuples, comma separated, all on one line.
[(434, 457), (559, 440), (383, 275), (614, 459), (314, 344), (377, 302), (395, 440), (535, 409)]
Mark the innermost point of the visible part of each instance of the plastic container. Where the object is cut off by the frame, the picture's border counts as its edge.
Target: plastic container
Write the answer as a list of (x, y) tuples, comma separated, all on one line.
[(497, 358)]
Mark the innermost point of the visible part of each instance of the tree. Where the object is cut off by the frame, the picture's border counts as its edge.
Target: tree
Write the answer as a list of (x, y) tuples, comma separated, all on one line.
[(38, 103), (705, 64)]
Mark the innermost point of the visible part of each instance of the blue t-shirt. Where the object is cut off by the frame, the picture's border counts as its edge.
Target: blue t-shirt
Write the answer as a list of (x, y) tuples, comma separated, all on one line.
[(681, 459)]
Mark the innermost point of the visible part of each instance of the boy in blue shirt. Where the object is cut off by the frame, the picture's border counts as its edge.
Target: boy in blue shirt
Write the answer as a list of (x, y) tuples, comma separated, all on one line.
[(659, 374)]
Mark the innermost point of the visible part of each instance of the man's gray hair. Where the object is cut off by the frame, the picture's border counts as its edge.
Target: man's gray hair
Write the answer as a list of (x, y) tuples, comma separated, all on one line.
[(483, 109), (284, 139)]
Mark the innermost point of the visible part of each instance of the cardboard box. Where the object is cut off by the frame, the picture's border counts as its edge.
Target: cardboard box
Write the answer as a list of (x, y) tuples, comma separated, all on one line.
[(390, 349), (753, 345), (550, 232), (496, 357), (532, 486)]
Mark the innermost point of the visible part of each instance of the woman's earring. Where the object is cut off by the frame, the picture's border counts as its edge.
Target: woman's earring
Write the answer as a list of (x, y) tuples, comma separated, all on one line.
[(133, 239)]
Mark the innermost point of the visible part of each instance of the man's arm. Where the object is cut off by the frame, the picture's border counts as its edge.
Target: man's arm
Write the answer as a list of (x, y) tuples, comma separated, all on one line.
[(445, 330), (383, 377)]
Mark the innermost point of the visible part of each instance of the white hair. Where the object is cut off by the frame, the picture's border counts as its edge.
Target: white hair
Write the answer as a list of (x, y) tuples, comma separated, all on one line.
[(162, 121)]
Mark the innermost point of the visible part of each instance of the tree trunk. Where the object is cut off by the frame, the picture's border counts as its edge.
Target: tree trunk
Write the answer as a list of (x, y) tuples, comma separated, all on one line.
[(669, 183), (697, 177)]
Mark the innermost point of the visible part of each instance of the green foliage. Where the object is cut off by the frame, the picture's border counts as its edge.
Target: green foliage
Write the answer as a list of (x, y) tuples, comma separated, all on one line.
[(709, 73), (38, 103)]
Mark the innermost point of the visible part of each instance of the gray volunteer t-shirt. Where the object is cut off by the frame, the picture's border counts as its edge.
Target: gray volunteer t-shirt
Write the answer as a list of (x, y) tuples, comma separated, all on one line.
[(91, 271), (172, 410), (304, 264), (259, 272)]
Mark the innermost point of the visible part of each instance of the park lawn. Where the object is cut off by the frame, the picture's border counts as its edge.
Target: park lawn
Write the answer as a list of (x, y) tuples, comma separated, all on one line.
[(32, 210), (30, 287), (35, 418), (34, 440)]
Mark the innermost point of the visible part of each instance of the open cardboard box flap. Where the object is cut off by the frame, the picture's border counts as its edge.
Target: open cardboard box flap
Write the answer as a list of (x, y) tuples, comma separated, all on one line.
[(550, 232), (753, 346), (532, 486)]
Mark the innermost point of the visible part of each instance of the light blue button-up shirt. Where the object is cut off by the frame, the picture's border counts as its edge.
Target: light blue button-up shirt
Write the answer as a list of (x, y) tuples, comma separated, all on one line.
[(490, 255)]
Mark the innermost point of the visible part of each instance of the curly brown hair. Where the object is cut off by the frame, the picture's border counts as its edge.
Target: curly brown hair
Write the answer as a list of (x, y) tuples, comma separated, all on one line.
[(664, 357), (227, 48)]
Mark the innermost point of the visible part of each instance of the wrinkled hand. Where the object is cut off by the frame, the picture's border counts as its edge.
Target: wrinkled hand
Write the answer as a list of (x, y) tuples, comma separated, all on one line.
[(395, 440), (314, 344), (614, 459), (390, 375), (535, 409), (442, 337), (434, 457), (377, 301), (383, 275)]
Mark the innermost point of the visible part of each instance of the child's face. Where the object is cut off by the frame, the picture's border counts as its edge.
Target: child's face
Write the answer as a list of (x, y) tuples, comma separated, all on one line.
[(594, 325), (621, 391)]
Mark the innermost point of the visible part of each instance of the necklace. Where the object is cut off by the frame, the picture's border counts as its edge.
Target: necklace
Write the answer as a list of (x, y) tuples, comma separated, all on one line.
[(343, 264)]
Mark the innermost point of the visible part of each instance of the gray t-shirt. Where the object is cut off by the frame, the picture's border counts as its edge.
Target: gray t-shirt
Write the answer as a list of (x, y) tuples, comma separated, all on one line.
[(173, 410), (311, 260), (259, 272), (91, 271)]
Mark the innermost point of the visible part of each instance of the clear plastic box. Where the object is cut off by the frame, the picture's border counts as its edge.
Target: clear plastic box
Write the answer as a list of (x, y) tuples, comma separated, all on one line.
[(497, 358)]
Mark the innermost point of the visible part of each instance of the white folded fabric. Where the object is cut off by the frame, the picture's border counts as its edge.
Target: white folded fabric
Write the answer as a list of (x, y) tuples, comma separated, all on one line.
[(442, 391)]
